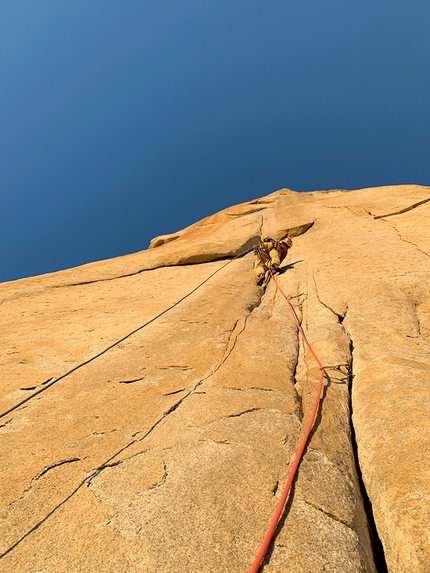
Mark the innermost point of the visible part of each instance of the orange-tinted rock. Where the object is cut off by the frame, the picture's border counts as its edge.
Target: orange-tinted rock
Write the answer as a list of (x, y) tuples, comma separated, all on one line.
[(169, 451)]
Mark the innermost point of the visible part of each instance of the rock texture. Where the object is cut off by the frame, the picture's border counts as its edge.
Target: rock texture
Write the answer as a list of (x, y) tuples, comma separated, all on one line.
[(170, 451)]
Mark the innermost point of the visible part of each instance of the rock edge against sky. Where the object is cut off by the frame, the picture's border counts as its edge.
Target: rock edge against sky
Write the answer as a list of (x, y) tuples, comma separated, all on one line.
[(169, 452)]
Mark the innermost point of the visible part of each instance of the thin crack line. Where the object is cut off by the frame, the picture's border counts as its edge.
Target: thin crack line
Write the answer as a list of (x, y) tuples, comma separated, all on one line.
[(244, 412), (52, 466), (117, 342), (339, 316), (298, 398), (57, 286), (88, 479), (328, 514), (406, 241), (221, 259), (38, 524)]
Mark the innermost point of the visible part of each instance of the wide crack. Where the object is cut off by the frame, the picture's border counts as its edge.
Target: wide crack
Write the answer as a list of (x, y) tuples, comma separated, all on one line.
[(377, 548), (298, 398), (376, 544)]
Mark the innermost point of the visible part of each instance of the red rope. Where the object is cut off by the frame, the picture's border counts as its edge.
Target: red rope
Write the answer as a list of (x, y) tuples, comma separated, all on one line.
[(273, 525)]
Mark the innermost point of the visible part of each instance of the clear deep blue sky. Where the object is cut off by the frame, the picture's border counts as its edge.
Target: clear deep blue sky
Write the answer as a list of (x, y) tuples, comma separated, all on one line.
[(122, 120)]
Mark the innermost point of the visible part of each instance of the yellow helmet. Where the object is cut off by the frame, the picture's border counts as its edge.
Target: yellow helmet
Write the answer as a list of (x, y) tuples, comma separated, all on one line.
[(287, 241)]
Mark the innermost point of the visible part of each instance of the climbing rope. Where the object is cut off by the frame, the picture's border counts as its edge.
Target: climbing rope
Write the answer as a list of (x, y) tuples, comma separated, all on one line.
[(278, 512), (52, 382), (280, 508)]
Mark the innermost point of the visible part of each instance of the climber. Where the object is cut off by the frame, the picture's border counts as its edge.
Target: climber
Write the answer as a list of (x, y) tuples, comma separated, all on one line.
[(270, 254)]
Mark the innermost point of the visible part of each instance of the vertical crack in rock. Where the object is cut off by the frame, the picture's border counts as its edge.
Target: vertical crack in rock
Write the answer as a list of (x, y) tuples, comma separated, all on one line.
[(236, 331), (261, 225), (300, 357), (417, 319), (378, 550), (341, 317), (296, 386), (298, 399), (93, 474), (162, 481)]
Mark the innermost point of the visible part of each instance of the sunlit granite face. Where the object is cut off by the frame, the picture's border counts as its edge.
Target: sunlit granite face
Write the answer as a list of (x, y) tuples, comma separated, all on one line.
[(170, 451)]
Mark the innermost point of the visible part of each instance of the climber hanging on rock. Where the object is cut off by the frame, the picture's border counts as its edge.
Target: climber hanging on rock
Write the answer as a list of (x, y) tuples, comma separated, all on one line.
[(270, 253)]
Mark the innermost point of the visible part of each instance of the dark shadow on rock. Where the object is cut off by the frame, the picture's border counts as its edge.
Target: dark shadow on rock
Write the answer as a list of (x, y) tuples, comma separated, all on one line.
[(318, 417), (281, 523), (290, 498), (281, 270), (288, 267)]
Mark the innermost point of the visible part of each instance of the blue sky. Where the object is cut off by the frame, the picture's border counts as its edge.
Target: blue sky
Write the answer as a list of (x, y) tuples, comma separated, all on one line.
[(120, 121)]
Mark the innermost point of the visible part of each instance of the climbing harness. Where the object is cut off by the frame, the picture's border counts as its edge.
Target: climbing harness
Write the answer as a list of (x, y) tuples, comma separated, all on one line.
[(55, 380), (280, 508)]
